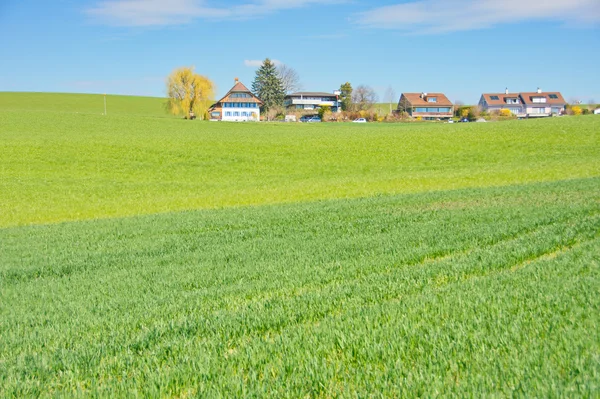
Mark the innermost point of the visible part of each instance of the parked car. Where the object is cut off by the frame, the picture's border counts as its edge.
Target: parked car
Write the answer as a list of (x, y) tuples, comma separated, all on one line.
[(464, 120), (360, 120), (308, 118)]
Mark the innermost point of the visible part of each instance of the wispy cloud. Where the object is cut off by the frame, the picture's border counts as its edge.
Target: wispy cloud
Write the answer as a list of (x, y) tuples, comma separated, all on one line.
[(178, 12), (258, 63), (440, 16)]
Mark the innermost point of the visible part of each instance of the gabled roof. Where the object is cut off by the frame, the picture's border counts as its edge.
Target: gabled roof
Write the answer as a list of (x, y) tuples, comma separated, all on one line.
[(501, 98), (311, 94), (238, 88), (559, 100), (420, 99)]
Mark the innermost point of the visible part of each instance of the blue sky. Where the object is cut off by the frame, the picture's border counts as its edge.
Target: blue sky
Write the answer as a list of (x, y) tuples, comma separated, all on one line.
[(460, 47)]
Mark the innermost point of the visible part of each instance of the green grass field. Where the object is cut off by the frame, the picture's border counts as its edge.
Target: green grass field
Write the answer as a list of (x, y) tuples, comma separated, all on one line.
[(83, 103), (142, 255)]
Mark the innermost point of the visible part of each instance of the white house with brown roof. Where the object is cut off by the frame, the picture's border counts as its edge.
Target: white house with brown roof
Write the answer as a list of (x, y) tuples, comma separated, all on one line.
[(428, 106), (530, 105), (238, 105)]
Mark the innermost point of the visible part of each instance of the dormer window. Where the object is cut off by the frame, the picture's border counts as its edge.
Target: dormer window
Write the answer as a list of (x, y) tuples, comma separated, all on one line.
[(538, 99), (432, 100), (512, 101)]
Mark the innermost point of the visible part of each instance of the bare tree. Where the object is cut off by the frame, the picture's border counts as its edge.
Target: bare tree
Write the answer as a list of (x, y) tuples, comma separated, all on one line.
[(390, 96), (591, 104), (289, 78), (364, 97)]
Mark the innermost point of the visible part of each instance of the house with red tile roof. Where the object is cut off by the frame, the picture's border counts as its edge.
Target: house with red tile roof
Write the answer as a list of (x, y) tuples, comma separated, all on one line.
[(238, 105), (428, 106), (524, 105)]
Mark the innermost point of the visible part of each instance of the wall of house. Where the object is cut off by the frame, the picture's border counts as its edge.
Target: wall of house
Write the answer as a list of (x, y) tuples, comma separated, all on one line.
[(519, 107), (417, 111), (240, 114), (533, 109)]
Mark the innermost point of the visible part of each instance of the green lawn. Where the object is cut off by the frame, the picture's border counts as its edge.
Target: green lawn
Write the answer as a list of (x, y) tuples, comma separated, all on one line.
[(144, 255)]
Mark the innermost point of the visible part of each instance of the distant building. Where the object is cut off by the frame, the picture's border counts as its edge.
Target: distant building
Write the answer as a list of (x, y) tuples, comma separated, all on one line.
[(597, 111), (311, 101), (530, 105), (238, 105), (428, 106)]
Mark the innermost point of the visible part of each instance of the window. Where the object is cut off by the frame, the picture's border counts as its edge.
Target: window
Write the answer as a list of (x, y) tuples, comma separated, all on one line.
[(556, 110), (515, 111), (244, 113), (432, 100), (553, 96), (420, 109), (538, 99), (215, 114), (494, 98), (539, 110), (240, 95), (512, 101), (236, 113), (228, 113), (444, 110)]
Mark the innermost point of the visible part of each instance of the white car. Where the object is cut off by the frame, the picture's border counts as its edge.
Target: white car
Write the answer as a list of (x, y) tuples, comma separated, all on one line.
[(360, 120)]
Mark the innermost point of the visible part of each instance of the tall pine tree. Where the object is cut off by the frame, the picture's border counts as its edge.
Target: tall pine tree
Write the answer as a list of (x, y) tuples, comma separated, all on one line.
[(346, 96), (268, 86)]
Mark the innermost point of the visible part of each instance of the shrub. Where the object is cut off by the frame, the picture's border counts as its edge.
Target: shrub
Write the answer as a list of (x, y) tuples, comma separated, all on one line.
[(505, 112)]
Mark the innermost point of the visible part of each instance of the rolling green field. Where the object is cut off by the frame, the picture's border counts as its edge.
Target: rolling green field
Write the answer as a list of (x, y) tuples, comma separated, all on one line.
[(83, 103), (142, 255), (64, 166)]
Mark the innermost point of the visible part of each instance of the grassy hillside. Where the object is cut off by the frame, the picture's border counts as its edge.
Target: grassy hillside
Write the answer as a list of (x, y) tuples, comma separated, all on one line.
[(468, 293), (65, 166), (82, 103)]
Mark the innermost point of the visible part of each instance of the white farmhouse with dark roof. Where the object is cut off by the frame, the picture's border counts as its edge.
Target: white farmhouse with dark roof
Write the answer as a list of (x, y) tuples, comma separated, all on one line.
[(238, 105)]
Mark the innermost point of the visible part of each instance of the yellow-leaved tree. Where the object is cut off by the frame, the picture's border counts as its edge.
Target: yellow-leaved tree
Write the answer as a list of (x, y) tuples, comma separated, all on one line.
[(189, 94)]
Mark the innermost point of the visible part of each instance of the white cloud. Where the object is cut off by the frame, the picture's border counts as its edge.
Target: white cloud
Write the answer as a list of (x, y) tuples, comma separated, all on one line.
[(439, 16), (258, 63), (177, 12)]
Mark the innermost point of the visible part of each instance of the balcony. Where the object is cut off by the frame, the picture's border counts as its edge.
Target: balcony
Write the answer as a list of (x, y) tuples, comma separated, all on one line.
[(297, 101)]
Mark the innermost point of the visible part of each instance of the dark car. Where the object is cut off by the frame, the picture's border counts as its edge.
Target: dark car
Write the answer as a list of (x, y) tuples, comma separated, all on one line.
[(464, 120), (310, 118)]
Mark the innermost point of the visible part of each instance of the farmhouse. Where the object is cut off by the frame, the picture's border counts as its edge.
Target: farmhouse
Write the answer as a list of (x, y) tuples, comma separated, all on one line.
[(238, 105), (311, 100), (429, 106), (530, 105)]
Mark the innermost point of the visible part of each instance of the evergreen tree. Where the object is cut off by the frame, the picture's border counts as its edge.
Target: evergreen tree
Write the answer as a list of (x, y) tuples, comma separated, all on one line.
[(268, 86), (346, 96)]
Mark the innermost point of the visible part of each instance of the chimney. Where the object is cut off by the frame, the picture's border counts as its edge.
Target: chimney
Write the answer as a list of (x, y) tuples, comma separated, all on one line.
[(506, 91), (539, 90)]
